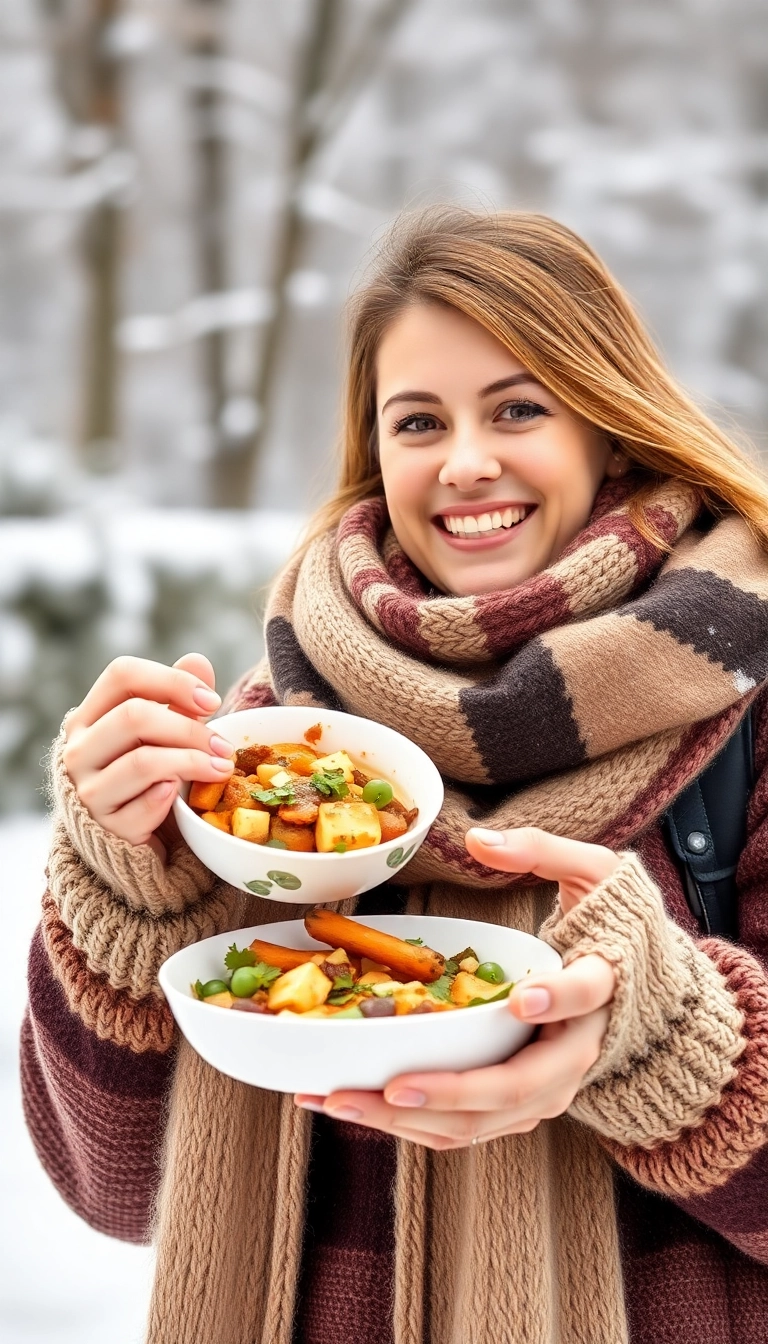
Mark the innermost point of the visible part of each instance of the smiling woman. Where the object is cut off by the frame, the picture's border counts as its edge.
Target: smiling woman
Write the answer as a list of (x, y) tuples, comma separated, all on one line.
[(548, 569)]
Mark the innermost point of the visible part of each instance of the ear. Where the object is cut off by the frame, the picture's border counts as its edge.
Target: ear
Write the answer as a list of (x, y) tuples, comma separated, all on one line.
[(617, 463)]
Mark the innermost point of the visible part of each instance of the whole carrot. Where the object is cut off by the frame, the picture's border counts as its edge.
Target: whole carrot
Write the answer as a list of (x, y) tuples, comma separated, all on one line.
[(415, 963)]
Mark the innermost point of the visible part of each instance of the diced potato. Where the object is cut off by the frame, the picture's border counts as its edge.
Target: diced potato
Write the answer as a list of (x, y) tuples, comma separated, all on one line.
[(357, 789), (204, 797), (222, 1000), (222, 820), (375, 978), (336, 958), (355, 825), (266, 774), (301, 838), (302, 988), (368, 965), (280, 780), (251, 825), (392, 825), (467, 987), (338, 760), (387, 987), (469, 964), (410, 996)]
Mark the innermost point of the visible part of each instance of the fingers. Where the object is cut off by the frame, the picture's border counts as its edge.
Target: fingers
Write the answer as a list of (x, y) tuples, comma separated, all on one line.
[(137, 723), (553, 857), (588, 983), (127, 677), (197, 665), (137, 821), (103, 792)]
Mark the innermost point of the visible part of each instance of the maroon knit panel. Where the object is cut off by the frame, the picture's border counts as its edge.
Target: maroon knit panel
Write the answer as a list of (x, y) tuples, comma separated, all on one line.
[(347, 1273)]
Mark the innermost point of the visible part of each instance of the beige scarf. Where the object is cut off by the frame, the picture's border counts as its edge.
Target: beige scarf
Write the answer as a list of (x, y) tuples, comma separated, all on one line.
[(625, 691)]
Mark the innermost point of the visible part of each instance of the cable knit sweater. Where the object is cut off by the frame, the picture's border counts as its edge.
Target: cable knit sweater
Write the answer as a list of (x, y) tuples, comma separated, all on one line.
[(689, 1145)]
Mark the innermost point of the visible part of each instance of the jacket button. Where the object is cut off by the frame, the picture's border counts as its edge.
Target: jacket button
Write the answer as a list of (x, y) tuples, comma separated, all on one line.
[(697, 842)]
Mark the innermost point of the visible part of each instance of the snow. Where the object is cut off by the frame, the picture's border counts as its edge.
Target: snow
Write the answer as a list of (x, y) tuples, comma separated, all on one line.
[(61, 1282)]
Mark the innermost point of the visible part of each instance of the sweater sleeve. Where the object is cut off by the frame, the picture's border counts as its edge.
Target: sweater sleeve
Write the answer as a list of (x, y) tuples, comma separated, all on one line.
[(679, 1095), (98, 1040)]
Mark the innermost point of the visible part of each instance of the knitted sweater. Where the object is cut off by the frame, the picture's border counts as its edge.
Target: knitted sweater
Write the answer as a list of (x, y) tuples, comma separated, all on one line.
[(98, 1055)]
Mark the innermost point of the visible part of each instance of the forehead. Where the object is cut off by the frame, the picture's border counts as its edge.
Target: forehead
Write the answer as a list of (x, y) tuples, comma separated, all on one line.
[(429, 345)]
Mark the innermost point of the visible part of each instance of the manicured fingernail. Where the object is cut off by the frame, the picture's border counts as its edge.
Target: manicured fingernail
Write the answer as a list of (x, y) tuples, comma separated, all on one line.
[(220, 745), (532, 1002), (311, 1106), (407, 1096), (345, 1113), (487, 837), (221, 763), (207, 699)]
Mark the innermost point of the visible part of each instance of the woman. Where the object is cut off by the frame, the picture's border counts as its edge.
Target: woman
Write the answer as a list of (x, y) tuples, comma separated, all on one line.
[(546, 566)]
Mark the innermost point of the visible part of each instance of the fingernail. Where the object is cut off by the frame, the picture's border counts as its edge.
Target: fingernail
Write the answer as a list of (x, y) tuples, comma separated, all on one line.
[(407, 1096), (311, 1106), (222, 764), (220, 745), (532, 1002), (345, 1113), (487, 837), (206, 698)]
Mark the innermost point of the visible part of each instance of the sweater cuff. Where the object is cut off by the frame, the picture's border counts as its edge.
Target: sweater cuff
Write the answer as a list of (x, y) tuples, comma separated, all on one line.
[(135, 873), (675, 1029)]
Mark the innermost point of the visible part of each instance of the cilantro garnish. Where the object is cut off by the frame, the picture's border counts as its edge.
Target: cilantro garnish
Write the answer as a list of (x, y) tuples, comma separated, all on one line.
[(441, 989), (414, 942), (198, 989), (237, 957), (267, 974), (344, 989), (331, 783), (274, 797)]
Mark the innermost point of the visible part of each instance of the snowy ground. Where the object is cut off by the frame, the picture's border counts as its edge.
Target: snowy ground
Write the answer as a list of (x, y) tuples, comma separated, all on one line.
[(60, 1282)]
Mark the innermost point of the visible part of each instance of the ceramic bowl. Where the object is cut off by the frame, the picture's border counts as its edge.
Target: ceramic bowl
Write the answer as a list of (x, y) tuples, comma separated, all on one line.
[(320, 1055), (282, 875)]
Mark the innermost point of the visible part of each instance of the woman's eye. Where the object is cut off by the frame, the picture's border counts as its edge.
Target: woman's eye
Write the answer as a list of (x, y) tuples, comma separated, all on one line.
[(520, 411), (416, 424)]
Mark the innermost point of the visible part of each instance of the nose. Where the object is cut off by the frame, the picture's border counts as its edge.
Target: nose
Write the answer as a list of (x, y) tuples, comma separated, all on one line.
[(468, 461)]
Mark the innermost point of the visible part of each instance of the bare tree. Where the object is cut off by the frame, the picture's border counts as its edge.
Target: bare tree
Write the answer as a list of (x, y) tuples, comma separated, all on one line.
[(322, 96)]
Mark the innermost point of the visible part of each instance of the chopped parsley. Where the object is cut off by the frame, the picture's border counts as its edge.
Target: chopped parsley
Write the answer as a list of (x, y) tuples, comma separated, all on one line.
[(275, 797), (237, 957), (415, 942), (331, 783), (441, 989)]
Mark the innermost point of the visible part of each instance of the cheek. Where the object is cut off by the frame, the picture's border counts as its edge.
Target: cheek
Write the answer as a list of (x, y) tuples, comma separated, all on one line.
[(405, 481)]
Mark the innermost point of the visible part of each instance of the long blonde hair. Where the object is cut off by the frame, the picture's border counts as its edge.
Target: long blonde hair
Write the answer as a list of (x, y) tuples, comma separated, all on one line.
[(542, 291)]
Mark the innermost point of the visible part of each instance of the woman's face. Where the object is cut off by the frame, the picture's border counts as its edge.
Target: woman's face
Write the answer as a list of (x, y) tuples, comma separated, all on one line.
[(487, 475)]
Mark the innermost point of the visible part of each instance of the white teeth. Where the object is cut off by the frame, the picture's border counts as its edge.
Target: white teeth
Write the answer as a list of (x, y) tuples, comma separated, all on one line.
[(473, 524)]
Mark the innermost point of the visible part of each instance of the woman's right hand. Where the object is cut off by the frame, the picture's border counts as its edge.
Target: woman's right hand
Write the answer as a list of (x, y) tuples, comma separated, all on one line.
[(138, 733)]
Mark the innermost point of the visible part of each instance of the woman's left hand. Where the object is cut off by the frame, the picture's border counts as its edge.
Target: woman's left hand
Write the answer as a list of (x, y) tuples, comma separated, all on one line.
[(451, 1110)]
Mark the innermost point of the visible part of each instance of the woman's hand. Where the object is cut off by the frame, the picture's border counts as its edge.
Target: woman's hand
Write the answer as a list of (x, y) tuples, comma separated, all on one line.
[(138, 733), (451, 1110)]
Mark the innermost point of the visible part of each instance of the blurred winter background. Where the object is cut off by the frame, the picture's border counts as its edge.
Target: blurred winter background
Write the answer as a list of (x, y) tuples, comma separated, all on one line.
[(188, 191)]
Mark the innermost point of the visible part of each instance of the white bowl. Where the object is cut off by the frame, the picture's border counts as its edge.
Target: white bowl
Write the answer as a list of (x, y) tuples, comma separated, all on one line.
[(282, 875), (320, 1055)]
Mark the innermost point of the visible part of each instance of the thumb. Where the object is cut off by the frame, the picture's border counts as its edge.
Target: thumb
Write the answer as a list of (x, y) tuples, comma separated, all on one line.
[(199, 666), (576, 866)]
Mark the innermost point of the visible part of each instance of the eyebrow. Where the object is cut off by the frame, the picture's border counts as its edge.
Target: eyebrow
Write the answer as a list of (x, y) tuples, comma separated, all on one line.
[(432, 400)]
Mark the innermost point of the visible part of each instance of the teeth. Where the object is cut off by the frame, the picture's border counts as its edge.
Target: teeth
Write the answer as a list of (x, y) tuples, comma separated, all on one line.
[(473, 524)]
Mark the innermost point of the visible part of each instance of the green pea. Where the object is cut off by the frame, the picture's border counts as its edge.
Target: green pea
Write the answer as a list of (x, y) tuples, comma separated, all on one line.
[(378, 792), (245, 981), (213, 987), (491, 972)]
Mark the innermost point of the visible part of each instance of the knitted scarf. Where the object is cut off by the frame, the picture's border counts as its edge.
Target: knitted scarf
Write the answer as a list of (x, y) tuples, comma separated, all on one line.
[(582, 702)]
